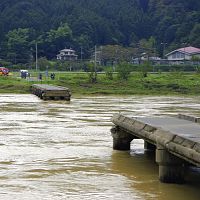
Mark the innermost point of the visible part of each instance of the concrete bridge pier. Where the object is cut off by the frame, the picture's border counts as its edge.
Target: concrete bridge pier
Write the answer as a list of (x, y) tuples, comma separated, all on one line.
[(171, 168), (121, 139)]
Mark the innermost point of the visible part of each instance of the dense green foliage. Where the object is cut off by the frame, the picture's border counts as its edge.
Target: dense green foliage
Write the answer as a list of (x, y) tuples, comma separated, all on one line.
[(85, 23)]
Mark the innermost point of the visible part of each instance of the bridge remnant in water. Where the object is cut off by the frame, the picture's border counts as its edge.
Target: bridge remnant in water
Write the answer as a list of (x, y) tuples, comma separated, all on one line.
[(176, 140), (50, 92)]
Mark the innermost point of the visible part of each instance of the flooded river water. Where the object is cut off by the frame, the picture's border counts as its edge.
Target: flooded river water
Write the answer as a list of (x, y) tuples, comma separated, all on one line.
[(59, 150)]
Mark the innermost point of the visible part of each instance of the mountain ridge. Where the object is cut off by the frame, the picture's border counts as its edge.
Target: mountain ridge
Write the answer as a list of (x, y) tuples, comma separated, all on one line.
[(93, 22)]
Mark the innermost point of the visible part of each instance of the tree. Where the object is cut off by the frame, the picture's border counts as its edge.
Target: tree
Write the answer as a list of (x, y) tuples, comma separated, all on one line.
[(85, 23), (109, 73), (63, 32), (124, 70), (145, 68), (18, 45), (57, 39), (194, 35), (195, 58), (148, 46), (92, 73), (43, 63), (113, 54)]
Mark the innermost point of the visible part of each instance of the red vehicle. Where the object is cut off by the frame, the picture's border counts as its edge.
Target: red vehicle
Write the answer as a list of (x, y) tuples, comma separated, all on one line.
[(4, 71)]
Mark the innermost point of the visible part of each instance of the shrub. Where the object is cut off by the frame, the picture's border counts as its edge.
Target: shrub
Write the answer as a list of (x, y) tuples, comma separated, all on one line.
[(124, 70), (92, 74), (145, 68), (109, 73)]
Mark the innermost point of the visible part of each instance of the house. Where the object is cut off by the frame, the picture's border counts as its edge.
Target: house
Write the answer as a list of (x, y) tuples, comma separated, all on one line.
[(185, 53), (67, 54), (142, 59)]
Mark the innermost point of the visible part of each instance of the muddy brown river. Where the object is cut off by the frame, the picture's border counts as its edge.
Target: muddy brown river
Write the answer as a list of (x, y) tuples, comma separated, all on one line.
[(59, 150)]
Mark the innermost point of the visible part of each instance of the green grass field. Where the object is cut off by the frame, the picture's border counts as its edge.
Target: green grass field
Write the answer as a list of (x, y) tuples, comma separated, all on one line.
[(174, 83)]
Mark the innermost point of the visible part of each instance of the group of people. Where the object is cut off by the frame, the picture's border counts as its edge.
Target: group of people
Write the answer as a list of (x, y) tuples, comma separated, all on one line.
[(52, 76), (25, 74)]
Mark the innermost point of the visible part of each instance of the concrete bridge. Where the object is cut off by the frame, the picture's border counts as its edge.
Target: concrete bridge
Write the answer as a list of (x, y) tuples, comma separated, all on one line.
[(176, 141)]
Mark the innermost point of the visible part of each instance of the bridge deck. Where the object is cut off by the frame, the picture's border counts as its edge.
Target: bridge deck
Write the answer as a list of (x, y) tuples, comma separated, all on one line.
[(180, 137), (180, 127), (50, 87)]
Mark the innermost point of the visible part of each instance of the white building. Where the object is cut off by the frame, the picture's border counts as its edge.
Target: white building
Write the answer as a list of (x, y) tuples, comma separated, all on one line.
[(67, 54), (186, 53), (142, 59)]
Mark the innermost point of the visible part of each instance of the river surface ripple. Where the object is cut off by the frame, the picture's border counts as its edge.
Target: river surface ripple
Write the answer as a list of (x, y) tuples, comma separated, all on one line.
[(59, 150)]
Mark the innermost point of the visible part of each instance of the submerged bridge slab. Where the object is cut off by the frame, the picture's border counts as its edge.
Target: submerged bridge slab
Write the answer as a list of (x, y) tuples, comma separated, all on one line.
[(51, 92)]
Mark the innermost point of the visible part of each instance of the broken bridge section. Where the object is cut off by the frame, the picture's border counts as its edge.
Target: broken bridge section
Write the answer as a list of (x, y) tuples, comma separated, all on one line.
[(176, 140), (51, 92)]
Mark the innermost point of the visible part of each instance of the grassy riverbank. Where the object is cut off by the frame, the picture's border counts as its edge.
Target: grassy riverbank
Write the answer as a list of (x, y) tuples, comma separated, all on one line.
[(153, 84)]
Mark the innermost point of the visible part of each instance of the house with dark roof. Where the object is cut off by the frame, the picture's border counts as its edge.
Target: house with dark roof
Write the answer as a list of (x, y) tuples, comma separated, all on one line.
[(182, 54)]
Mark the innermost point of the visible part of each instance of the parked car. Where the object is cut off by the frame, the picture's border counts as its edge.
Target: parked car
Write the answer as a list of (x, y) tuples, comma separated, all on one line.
[(4, 71)]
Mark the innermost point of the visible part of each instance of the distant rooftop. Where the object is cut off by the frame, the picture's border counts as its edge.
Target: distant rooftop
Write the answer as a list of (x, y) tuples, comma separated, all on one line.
[(68, 50), (187, 50)]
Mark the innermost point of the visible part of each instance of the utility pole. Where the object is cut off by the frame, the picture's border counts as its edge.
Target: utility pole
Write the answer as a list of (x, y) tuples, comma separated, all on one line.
[(164, 45), (81, 54), (94, 73), (36, 57), (95, 59), (184, 50)]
